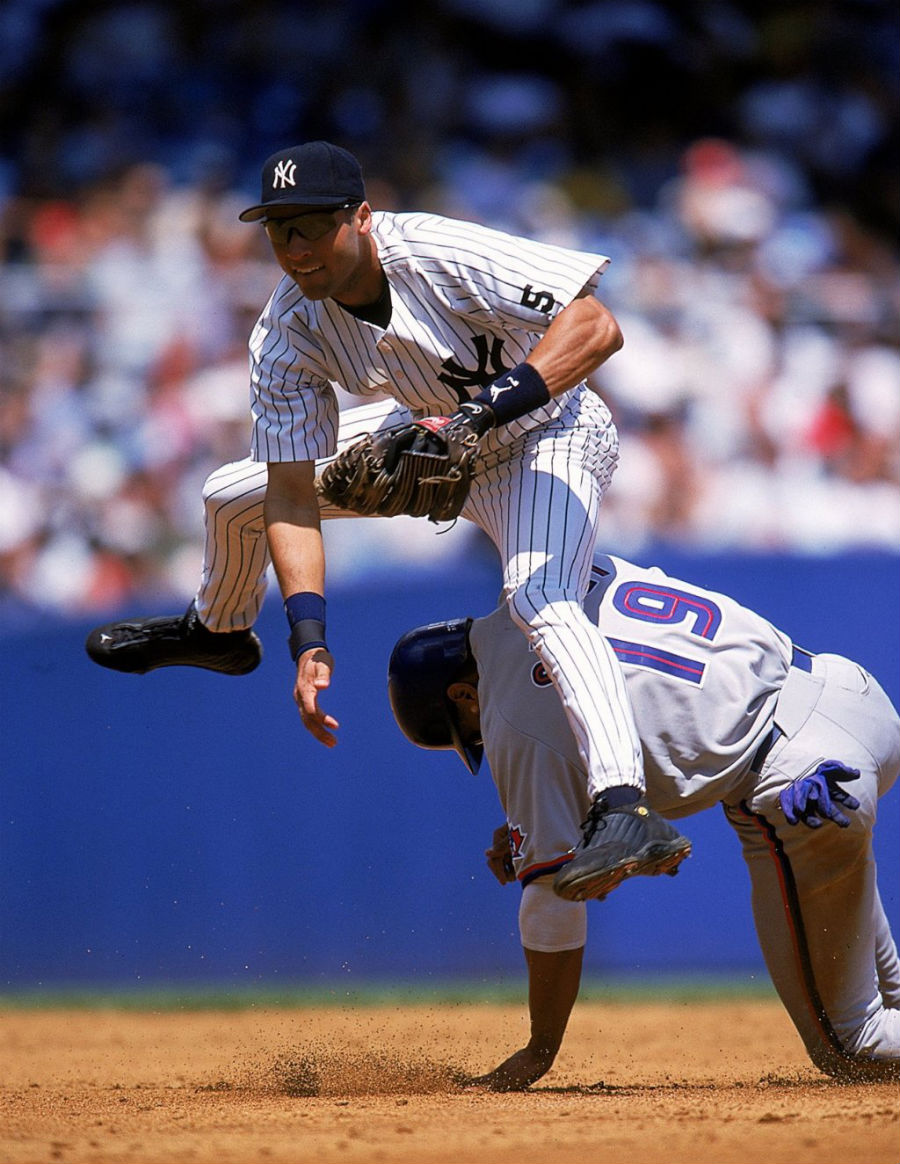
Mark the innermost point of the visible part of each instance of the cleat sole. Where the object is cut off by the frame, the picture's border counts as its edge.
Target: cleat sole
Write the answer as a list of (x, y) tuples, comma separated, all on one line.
[(597, 884)]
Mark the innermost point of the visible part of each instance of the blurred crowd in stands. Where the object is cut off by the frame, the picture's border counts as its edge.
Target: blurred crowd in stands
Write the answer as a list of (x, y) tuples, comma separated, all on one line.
[(738, 162)]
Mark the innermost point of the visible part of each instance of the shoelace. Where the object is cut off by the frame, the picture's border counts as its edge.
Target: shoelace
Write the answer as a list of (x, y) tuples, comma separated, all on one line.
[(595, 819)]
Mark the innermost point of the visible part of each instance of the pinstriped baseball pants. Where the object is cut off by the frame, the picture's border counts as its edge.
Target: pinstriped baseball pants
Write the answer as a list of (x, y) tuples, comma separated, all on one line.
[(539, 502), (235, 555), (540, 506)]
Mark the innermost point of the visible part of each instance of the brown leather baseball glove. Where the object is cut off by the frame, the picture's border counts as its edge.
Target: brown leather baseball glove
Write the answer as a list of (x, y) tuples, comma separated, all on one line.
[(423, 469)]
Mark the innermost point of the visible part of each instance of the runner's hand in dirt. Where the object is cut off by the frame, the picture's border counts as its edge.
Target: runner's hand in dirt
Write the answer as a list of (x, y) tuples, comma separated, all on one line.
[(517, 1072)]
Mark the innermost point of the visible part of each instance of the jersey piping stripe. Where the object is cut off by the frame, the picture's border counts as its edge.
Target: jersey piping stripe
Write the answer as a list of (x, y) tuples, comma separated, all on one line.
[(794, 917), (658, 660), (543, 869)]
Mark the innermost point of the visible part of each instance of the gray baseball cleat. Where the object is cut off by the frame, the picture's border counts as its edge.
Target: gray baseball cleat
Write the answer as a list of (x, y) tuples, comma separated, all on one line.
[(143, 644), (618, 843)]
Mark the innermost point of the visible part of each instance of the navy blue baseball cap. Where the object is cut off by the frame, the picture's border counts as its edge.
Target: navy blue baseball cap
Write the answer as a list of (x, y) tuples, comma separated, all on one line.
[(318, 175)]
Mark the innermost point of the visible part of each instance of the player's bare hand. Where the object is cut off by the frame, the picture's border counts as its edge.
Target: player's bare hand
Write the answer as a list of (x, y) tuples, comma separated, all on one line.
[(516, 1073), (499, 858), (314, 670)]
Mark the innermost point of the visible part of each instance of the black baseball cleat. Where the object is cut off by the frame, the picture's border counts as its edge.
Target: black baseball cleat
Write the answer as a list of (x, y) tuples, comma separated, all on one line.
[(143, 644), (618, 843)]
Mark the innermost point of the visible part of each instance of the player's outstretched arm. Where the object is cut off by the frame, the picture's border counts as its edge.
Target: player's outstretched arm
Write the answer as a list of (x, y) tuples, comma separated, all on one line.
[(553, 981), (295, 544)]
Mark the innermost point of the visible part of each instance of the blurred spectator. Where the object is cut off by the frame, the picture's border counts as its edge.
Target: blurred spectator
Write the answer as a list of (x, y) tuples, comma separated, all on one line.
[(750, 211)]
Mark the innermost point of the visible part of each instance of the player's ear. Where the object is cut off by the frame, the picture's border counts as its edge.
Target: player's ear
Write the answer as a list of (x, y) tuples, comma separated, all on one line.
[(463, 694), (363, 217), (465, 712)]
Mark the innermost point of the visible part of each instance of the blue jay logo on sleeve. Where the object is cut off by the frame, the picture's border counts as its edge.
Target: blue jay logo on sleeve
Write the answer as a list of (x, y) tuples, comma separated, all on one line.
[(516, 840), (284, 174)]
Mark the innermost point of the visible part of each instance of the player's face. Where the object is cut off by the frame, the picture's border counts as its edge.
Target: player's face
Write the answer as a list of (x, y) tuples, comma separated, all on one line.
[(328, 254)]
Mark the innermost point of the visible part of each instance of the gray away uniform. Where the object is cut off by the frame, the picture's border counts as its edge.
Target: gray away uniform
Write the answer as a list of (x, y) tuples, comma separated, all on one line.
[(729, 711)]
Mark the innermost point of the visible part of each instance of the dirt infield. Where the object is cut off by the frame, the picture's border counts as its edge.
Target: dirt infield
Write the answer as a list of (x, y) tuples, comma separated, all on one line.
[(714, 1083)]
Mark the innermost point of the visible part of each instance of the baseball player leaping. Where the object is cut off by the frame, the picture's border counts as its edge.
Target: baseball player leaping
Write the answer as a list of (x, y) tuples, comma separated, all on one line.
[(452, 320), (796, 747)]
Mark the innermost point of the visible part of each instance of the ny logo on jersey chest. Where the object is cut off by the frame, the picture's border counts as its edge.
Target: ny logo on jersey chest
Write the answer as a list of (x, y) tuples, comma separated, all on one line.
[(489, 354)]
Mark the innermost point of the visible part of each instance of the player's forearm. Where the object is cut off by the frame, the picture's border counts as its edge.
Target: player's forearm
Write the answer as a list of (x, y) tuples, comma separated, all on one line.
[(297, 555), (295, 544), (578, 341), (553, 981), (581, 338), (293, 531)]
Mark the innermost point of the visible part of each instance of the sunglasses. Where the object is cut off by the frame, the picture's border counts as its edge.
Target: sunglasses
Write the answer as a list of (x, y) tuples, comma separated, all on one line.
[(311, 225)]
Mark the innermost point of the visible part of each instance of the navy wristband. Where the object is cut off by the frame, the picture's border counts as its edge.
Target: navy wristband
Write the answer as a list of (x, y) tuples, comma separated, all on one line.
[(305, 604), (306, 614), (519, 391), (305, 635)]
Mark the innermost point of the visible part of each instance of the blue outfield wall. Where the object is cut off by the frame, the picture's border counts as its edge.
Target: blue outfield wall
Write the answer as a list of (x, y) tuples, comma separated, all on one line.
[(181, 828)]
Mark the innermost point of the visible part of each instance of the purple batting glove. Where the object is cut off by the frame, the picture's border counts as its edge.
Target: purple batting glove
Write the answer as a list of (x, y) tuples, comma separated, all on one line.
[(813, 799)]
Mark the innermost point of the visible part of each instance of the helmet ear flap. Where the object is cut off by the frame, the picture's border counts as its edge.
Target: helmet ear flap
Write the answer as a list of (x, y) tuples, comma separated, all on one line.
[(423, 664), (470, 754)]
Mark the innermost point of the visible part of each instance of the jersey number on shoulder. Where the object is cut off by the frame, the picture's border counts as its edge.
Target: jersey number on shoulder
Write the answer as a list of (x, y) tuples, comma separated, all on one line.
[(538, 300), (648, 602)]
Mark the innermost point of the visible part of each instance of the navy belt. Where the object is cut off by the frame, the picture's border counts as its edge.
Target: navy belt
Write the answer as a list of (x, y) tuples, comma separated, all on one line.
[(802, 660)]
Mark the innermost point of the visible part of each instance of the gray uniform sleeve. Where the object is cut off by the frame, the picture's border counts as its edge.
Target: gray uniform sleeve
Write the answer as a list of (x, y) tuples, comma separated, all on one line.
[(530, 749)]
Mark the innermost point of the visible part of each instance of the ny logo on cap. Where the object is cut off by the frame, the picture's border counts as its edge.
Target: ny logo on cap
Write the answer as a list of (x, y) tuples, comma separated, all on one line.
[(284, 174)]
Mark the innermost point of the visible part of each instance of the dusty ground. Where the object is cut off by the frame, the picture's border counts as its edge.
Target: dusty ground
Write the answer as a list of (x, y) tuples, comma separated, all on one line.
[(720, 1083)]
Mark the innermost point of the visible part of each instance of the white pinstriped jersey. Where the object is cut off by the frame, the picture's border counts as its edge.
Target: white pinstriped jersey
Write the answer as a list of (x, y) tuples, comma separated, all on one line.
[(468, 303)]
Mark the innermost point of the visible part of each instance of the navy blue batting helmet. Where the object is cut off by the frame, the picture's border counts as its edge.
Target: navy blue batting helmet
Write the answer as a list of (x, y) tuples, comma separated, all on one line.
[(424, 662)]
